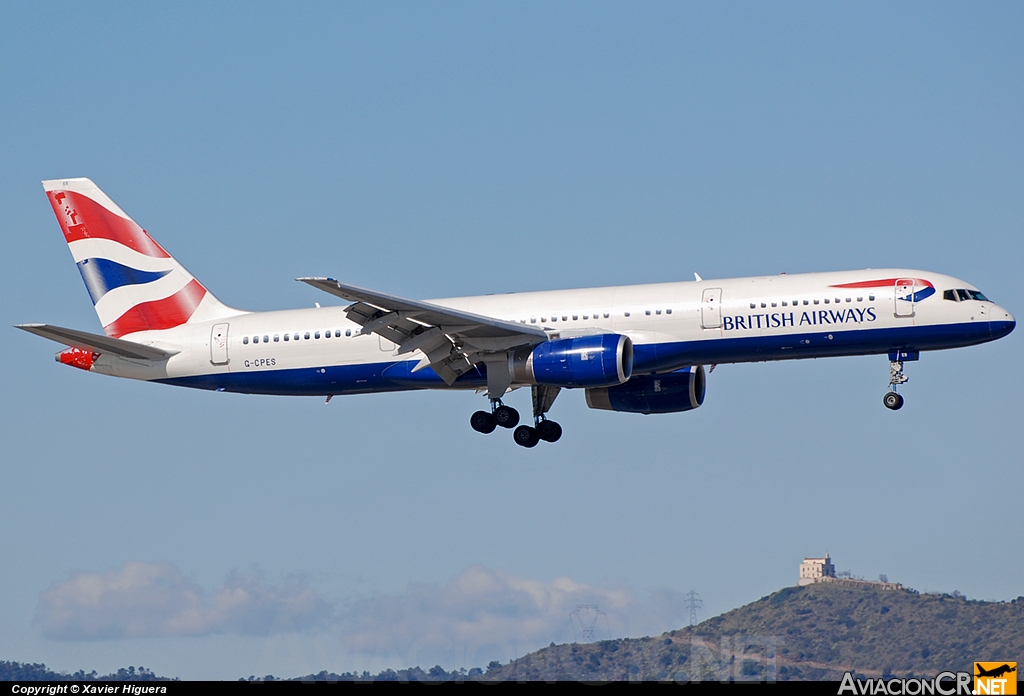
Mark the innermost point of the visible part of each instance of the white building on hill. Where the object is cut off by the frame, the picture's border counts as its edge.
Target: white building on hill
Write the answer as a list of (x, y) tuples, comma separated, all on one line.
[(813, 569)]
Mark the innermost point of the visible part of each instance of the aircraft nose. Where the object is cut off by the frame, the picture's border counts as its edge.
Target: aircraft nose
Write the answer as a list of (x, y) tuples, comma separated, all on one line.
[(1000, 322)]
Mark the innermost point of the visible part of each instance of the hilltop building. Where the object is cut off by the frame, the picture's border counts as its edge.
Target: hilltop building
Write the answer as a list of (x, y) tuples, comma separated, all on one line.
[(813, 569)]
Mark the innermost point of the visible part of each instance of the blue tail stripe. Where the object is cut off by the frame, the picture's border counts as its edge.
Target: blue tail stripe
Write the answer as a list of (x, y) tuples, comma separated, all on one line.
[(103, 275)]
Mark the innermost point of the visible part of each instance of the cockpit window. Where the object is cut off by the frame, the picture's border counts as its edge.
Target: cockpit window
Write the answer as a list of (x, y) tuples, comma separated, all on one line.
[(963, 295)]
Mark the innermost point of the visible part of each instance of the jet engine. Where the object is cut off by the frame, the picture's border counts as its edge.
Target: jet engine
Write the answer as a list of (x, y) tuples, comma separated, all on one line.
[(583, 361), (682, 390)]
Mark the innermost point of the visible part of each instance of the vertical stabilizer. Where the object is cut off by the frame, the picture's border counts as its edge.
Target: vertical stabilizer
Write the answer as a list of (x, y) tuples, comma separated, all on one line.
[(134, 284)]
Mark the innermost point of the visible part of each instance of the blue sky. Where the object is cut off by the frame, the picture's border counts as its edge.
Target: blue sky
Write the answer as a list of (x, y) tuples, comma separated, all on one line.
[(439, 150)]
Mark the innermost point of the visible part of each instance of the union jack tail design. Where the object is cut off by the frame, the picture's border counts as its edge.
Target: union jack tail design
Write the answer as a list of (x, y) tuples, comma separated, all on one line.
[(135, 285)]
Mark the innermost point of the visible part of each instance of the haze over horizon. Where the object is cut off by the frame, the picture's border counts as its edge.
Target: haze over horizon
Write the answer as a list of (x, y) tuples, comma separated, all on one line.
[(437, 151)]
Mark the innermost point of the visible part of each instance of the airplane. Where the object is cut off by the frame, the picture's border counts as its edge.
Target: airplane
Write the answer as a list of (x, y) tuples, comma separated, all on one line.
[(634, 349)]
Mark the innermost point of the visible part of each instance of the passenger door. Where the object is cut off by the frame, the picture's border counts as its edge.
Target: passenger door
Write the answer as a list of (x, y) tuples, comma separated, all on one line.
[(711, 309), (904, 297), (219, 344)]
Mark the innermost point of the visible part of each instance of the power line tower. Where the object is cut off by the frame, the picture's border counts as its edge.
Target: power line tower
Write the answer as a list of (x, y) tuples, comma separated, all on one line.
[(585, 620), (693, 603)]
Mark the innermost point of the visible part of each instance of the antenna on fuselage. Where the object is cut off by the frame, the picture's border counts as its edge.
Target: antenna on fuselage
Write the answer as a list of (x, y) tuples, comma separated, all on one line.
[(698, 278)]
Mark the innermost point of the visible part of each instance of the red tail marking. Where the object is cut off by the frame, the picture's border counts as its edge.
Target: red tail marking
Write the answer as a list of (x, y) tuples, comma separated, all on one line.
[(81, 217), (159, 314)]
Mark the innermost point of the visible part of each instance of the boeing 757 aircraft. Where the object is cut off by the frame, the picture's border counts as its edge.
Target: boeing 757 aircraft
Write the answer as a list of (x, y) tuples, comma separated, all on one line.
[(635, 349)]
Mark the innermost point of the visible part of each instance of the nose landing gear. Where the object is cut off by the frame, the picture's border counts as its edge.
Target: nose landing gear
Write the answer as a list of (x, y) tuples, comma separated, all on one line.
[(893, 400)]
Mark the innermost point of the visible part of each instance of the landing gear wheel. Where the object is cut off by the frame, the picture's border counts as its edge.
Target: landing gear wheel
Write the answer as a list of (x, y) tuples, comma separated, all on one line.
[(526, 436), (482, 422), (893, 401), (506, 416), (549, 431)]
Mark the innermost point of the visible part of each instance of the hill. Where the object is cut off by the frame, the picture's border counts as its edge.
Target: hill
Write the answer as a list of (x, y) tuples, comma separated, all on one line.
[(25, 671), (814, 632)]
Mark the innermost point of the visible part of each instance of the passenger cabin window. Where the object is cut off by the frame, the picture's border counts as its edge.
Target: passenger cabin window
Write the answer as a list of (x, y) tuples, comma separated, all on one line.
[(316, 335), (348, 332), (297, 337), (307, 335), (286, 336), (277, 338), (266, 339), (245, 339), (667, 311)]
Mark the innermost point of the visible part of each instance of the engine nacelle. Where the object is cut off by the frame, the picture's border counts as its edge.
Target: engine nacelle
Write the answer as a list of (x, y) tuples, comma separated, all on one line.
[(682, 390), (584, 361)]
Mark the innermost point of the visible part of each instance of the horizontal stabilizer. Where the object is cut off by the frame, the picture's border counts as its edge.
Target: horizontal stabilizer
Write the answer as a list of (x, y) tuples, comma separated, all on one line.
[(96, 343)]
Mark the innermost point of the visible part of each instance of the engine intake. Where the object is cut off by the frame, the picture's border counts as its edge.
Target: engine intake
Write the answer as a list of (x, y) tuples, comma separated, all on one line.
[(682, 390), (583, 361)]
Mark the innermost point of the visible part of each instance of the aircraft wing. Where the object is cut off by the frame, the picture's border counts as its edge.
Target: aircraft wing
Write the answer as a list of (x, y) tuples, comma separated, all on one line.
[(452, 340), (96, 343)]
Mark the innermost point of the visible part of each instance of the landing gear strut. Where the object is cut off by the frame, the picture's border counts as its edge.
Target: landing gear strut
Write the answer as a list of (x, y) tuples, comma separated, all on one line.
[(893, 400)]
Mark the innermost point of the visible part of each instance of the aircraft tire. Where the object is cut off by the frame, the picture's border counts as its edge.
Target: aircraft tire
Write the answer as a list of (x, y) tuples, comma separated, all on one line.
[(506, 416), (482, 422), (893, 401), (526, 436), (549, 431)]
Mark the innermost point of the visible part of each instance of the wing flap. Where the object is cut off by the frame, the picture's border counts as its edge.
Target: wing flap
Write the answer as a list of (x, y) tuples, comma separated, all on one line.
[(453, 341), (97, 343)]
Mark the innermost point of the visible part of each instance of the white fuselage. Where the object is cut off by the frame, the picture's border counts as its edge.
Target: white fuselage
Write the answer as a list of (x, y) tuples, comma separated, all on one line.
[(672, 325)]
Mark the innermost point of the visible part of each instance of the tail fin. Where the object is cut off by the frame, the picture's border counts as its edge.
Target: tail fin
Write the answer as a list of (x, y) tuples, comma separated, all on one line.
[(135, 285)]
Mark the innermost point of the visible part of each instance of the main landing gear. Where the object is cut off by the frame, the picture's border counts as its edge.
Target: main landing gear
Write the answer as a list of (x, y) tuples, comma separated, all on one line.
[(508, 417), (505, 416), (893, 400)]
